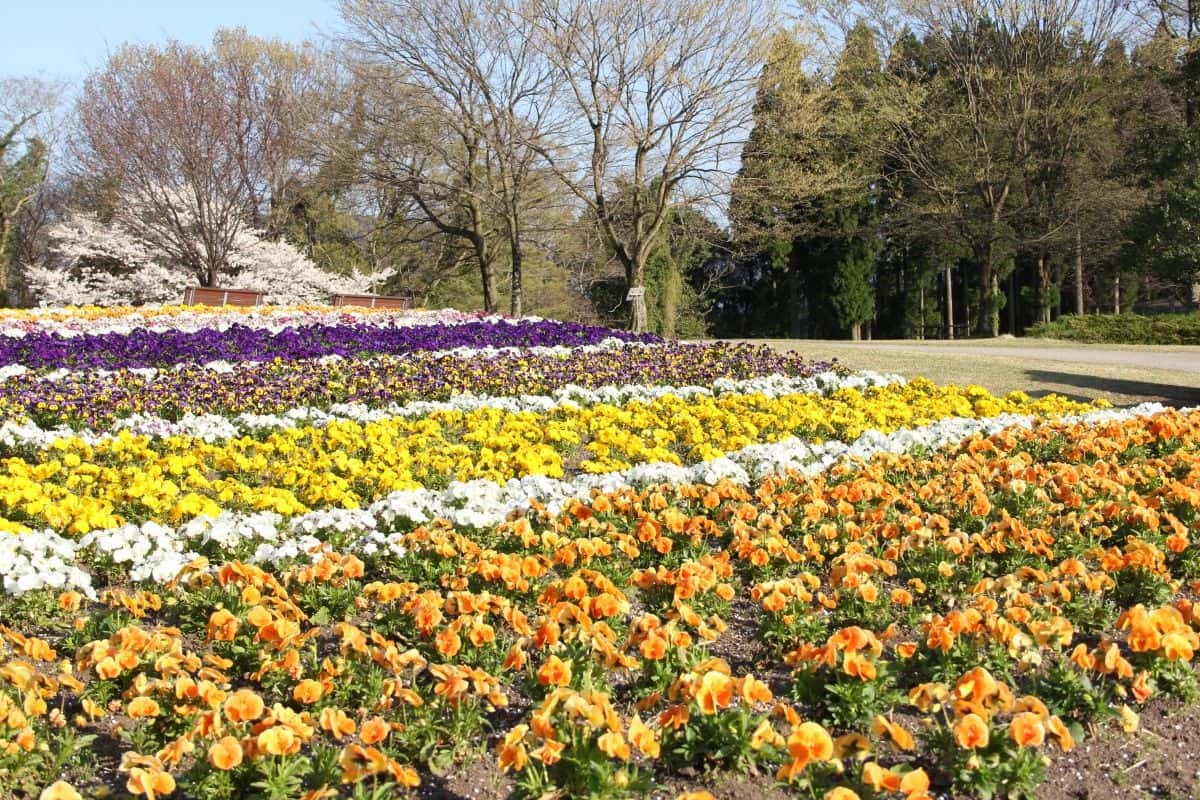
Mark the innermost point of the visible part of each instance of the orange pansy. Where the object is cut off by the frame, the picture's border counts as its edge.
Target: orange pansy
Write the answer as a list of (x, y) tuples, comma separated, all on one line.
[(142, 707), (60, 790), (223, 626), (613, 745), (841, 793), (336, 722), (374, 730), (653, 647), (278, 740), (308, 691), (971, 732), (511, 751), (150, 782), (715, 692), (643, 738), (243, 705), (555, 672), (1027, 730), (810, 742), (225, 753)]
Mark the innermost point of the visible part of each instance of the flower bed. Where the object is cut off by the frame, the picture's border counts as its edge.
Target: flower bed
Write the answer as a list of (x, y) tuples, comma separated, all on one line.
[(892, 590), (142, 347), (98, 320), (273, 387)]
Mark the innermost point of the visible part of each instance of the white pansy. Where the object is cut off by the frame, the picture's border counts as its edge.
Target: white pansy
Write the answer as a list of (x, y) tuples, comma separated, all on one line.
[(160, 319), (39, 560)]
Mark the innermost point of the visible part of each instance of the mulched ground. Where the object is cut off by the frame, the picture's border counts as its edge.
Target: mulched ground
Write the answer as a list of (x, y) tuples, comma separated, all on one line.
[(1161, 759)]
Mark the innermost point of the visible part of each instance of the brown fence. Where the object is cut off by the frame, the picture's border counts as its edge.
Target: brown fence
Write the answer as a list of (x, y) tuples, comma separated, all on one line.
[(208, 296), (399, 302)]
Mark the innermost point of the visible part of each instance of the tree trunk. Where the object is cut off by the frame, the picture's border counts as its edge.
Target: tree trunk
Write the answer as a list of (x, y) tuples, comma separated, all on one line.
[(1012, 303), (1078, 270), (921, 311), (984, 269), (966, 306), (992, 306), (1057, 294), (989, 308), (6, 227), (798, 316), (1043, 275), (856, 331), (949, 305), (487, 275), (635, 275), (516, 306), (672, 291), (1117, 294)]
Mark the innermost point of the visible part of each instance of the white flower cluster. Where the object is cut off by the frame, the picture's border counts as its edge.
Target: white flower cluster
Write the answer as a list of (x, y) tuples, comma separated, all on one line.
[(43, 559), (74, 321)]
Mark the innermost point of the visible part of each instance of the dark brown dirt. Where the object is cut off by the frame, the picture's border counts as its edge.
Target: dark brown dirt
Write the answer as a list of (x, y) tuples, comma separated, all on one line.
[(479, 779), (1160, 760)]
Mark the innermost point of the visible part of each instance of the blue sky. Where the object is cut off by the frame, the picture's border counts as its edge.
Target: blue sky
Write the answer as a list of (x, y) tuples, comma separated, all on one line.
[(69, 38)]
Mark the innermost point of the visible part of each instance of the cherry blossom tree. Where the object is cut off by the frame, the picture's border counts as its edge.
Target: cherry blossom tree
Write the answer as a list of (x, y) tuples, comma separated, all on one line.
[(97, 263)]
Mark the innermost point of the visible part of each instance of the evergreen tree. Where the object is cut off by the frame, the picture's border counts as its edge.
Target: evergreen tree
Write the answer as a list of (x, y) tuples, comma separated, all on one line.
[(836, 255), (802, 208), (779, 167)]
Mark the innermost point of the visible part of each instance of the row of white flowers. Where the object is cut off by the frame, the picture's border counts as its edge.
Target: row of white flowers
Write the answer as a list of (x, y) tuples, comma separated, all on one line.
[(75, 321), (216, 427), (156, 553)]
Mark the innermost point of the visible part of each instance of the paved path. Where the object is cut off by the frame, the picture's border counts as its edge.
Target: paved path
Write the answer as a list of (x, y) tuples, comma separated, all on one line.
[(1122, 374), (1182, 358)]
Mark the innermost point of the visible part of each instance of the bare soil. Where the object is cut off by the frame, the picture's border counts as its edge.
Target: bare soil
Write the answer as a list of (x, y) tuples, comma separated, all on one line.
[(1160, 760)]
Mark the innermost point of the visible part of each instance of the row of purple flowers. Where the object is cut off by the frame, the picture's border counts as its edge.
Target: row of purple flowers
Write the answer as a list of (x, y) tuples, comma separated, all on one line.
[(273, 387), (145, 348)]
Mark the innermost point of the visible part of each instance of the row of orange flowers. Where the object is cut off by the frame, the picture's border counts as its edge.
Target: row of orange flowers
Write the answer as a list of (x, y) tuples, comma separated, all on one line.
[(957, 612)]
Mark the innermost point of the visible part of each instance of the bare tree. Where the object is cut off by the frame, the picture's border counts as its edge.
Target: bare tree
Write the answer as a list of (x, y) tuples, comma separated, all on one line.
[(822, 25), (967, 139), (464, 95), (279, 96), (660, 94), (26, 126), (191, 143), (1176, 26)]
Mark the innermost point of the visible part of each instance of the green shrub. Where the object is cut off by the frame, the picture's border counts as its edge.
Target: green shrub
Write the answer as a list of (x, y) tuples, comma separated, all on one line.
[(1123, 329)]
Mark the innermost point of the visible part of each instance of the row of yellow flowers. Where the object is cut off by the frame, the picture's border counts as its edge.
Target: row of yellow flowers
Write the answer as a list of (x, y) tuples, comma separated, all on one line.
[(75, 487), (891, 629)]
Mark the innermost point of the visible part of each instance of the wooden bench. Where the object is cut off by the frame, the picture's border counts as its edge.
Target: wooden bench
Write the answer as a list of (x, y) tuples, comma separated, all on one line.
[(398, 302), (210, 296)]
